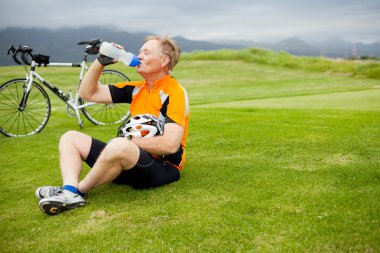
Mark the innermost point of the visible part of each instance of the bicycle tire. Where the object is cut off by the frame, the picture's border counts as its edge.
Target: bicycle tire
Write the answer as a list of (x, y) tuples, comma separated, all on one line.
[(32, 119), (107, 114)]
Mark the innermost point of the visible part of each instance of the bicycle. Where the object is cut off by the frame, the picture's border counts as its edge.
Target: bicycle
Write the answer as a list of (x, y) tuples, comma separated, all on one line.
[(25, 106)]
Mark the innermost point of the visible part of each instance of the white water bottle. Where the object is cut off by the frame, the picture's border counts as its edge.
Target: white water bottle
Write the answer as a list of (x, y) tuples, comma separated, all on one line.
[(129, 59)]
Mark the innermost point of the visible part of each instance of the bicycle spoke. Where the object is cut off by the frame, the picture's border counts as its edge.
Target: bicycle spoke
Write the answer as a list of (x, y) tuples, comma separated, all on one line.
[(36, 102), (12, 107), (16, 119), (17, 94), (98, 112), (23, 116), (116, 110), (32, 98), (108, 114), (8, 119), (29, 123), (9, 114), (17, 122), (9, 99), (33, 118)]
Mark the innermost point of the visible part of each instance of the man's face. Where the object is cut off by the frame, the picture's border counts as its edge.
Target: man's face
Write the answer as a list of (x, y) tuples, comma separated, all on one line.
[(151, 58)]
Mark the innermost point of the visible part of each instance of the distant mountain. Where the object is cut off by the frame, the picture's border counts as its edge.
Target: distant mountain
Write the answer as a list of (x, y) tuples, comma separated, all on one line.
[(362, 49), (333, 47), (295, 45), (61, 44), (191, 45)]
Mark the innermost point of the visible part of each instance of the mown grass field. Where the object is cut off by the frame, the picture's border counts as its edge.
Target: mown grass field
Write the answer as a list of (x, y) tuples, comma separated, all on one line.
[(279, 160)]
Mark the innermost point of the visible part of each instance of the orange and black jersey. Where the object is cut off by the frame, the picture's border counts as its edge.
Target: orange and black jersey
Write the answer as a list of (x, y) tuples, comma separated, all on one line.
[(167, 100)]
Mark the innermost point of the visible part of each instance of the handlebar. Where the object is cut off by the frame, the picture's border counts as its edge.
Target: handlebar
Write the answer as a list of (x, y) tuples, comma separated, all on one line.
[(14, 54), (25, 51)]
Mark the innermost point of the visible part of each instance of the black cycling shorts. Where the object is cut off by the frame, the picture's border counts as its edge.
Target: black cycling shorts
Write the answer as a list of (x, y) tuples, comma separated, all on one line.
[(148, 172)]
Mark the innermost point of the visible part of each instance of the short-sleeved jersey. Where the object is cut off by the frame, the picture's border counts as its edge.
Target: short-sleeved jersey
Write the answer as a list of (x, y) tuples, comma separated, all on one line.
[(167, 100)]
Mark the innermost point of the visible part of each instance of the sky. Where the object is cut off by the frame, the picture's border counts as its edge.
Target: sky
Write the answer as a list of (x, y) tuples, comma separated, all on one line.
[(211, 20)]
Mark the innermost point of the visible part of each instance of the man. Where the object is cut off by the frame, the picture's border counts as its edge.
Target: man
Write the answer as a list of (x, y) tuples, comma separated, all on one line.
[(139, 162)]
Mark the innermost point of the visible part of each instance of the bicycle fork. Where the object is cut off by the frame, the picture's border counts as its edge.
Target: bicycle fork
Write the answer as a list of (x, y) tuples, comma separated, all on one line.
[(25, 95)]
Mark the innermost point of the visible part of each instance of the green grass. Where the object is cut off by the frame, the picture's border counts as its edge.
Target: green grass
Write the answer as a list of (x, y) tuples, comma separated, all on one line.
[(358, 68), (279, 160)]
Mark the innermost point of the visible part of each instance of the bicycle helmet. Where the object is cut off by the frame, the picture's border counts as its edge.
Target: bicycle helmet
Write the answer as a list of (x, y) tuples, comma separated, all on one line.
[(144, 125)]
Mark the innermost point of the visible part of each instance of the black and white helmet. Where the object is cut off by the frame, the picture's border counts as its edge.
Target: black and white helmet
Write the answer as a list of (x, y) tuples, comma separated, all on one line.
[(144, 125)]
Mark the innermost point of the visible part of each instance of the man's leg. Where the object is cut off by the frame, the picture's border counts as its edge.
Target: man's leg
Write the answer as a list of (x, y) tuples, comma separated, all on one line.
[(120, 154), (73, 149)]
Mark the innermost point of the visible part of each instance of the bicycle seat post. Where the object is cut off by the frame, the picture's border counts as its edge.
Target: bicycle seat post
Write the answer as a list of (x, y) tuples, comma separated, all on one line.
[(85, 56)]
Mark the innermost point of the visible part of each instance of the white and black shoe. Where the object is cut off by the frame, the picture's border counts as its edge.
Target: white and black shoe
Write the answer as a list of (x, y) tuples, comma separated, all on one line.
[(47, 191), (65, 200)]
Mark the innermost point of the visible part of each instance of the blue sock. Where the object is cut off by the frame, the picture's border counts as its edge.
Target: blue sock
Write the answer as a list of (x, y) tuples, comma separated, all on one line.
[(82, 194), (70, 188)]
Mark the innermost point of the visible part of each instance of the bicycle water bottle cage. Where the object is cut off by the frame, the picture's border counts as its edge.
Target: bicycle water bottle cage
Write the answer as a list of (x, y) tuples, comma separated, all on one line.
[(42, 59)]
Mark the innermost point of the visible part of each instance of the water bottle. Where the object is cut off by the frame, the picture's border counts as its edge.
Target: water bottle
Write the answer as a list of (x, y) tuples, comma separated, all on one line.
[(129, 59)]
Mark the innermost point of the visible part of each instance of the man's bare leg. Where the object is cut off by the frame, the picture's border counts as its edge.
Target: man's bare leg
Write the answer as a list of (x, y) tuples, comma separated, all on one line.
[(120, 154), (74, 148)]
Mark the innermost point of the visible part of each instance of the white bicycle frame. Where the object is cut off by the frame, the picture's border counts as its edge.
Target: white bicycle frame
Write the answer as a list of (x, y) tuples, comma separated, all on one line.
[(71, 102)]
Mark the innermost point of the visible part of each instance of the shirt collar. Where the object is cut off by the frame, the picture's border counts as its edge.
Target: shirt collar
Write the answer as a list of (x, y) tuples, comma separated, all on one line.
[(158, 83)]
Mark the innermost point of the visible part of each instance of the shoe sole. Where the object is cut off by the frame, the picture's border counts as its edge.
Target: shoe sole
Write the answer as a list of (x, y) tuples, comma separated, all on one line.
[(56, 207)]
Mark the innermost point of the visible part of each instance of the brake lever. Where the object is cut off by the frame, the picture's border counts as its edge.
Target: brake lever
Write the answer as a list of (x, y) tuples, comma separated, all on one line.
[(12, 49), (14, 54), (25, 59)]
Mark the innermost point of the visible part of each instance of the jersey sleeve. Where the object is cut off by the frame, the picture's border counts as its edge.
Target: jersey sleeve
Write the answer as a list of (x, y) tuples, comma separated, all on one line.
[(177, 107), (121, 94)]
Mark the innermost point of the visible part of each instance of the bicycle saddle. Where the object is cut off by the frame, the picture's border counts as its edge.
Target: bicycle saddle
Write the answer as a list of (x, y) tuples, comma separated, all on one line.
[(25, 49), (92, 42)]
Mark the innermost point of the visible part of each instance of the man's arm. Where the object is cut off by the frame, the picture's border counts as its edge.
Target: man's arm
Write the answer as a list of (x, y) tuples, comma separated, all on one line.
[(166, 144), (90, 89)]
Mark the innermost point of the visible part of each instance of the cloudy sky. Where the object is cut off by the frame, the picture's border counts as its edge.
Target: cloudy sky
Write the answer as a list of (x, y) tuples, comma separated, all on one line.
[(259, 21)]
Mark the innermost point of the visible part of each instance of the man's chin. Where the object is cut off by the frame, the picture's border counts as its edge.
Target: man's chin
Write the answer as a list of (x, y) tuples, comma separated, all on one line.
[(140, 71)]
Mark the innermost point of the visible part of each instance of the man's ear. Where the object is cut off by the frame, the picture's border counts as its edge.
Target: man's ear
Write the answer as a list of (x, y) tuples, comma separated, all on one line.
[(165, 61)]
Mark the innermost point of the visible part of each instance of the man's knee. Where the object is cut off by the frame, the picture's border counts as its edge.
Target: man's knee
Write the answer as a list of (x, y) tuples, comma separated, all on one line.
[(69, 136), (120, 149), (75, 138)]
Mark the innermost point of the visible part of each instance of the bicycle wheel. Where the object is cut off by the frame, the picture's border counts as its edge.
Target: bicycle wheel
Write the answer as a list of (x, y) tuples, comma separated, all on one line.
[(105, 114), (17, 122)]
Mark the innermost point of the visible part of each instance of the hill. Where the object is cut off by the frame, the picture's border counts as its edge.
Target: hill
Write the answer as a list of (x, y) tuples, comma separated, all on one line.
[(333, 47), (368, 69), (61, 44), (295, 46)]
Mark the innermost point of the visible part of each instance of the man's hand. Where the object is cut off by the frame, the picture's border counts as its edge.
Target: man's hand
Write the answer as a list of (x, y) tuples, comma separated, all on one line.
[(105, 60), (165, 144)]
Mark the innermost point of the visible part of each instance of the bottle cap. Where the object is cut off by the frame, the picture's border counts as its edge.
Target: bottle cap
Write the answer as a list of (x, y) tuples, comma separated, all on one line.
[(135, 61)]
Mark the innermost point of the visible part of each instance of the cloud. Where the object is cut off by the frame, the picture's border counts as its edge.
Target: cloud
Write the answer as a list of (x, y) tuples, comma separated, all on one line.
[(208, 20)]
